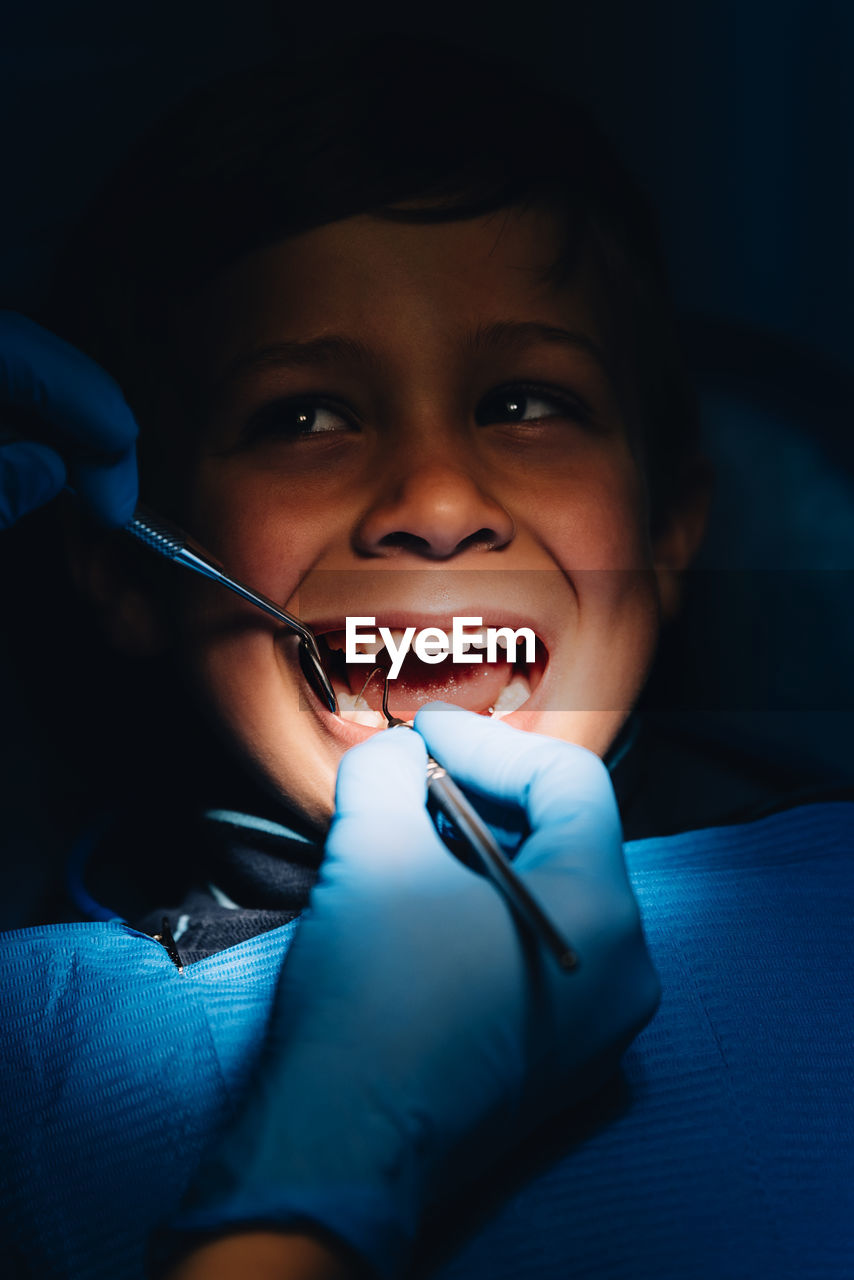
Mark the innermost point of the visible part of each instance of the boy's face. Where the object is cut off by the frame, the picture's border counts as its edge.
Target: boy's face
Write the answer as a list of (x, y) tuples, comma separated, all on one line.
[(408, 422)]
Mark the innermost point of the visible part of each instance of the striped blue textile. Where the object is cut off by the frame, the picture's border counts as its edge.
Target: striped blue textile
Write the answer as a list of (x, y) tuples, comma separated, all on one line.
[(728, 1151)]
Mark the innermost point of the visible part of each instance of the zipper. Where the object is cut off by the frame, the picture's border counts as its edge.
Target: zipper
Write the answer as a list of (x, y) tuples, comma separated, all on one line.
[(164, 937)]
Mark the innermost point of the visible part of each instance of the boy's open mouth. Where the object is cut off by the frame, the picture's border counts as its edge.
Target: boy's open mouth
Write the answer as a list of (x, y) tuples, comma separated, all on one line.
[(490, 688)]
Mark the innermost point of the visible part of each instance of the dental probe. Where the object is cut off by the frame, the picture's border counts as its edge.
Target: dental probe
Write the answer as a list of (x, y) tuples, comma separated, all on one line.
[(450, 799), (168, 540), (160, 535)]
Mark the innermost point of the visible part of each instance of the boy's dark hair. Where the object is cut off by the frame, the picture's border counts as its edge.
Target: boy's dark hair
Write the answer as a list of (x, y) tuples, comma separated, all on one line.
[(411, 130)]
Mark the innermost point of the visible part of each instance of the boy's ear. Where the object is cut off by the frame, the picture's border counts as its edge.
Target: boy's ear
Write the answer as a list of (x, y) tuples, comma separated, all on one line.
[(678, 539), (106, 571)]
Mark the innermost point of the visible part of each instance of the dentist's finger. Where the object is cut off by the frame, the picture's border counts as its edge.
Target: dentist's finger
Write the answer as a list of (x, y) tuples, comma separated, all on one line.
[(381, 822), (31, 474), (110, 488), (526, 769), (82, 407), (564, 790)]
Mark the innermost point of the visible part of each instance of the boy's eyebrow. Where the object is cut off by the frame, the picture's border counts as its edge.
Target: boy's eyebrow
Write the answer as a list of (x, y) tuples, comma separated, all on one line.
[(523, 333), (333, 348), (298, 354)]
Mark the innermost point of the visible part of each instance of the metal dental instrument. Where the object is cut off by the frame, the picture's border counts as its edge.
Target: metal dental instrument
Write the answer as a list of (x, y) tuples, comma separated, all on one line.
[(448, 797), (159, 535), (168, 540)]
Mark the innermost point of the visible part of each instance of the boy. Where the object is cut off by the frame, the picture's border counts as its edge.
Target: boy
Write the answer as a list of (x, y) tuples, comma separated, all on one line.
[(397, 355), (208, 284)]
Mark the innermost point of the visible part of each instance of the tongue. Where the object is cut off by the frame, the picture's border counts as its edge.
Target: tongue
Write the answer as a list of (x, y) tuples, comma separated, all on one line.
[(475, 686)]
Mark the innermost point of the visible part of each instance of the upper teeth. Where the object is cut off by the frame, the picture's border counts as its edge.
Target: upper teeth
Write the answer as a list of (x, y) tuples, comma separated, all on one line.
[(373, 647), (471, 640)]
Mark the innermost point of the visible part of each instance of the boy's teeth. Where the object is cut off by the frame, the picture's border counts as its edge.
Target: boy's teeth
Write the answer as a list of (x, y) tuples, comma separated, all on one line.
[(350, 702), (373, 647), (353, 707), (512, 697), (471, 640), (438, 646)]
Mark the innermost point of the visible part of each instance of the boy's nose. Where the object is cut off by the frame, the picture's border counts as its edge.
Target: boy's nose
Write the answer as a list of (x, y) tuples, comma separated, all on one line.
[(437, 511)]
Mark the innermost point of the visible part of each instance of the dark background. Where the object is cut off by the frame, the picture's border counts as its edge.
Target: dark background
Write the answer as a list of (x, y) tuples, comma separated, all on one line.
[(738, 118), (736, 113)]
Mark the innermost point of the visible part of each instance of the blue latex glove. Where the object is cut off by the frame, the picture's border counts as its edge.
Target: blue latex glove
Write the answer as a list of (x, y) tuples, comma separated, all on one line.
[(417, 1035), (77, 427)]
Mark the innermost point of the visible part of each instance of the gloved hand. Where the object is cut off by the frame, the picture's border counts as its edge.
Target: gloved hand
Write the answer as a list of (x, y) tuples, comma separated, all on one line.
[(417, 1033), (62, 420)]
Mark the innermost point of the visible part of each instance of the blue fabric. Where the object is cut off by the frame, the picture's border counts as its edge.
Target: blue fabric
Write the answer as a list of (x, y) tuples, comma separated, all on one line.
[(114, 1069), (734, 1156)]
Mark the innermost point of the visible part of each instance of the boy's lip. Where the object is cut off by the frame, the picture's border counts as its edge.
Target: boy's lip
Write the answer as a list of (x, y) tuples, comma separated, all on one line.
[(350, 733)]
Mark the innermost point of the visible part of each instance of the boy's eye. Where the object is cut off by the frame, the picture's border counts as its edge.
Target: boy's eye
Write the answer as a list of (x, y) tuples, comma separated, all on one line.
[(522, 403), (292, 419)]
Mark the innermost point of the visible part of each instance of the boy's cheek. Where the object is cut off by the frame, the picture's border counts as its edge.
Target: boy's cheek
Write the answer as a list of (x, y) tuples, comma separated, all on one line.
[(246, 680), (260, 547), (616, 638), (604, 656), (591, 508)]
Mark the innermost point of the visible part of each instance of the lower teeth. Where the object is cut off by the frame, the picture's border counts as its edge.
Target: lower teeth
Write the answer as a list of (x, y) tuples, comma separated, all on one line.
[(511, 697), (354, 707)]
